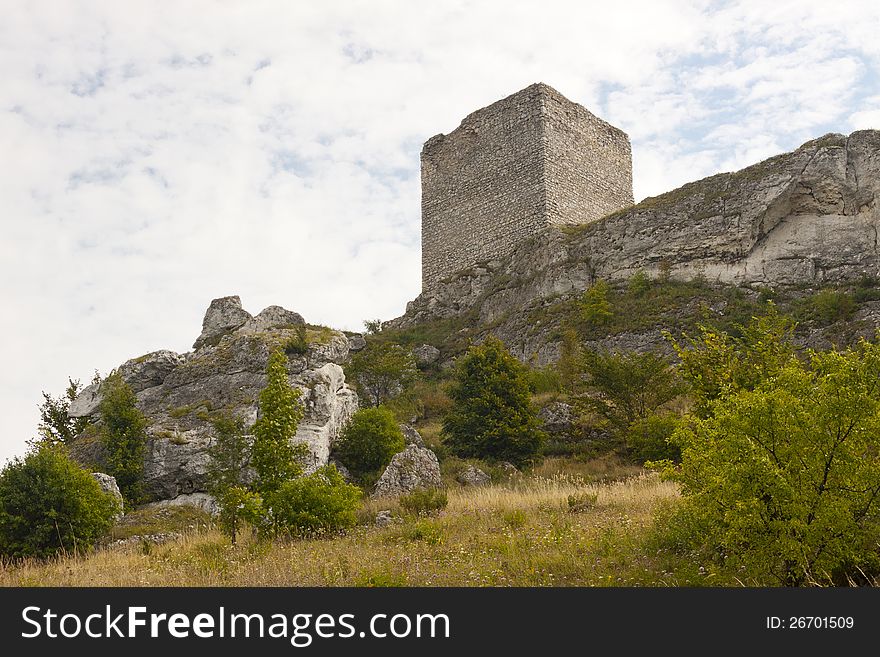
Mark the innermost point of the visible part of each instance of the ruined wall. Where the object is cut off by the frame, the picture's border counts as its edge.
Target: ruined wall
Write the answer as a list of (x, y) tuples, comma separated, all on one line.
[(510, 169)]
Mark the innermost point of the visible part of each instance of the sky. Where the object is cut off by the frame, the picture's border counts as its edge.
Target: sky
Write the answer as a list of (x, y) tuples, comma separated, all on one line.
[(156, 155)]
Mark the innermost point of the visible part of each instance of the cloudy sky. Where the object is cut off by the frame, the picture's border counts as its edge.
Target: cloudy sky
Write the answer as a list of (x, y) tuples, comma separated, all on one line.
[(156, 155)]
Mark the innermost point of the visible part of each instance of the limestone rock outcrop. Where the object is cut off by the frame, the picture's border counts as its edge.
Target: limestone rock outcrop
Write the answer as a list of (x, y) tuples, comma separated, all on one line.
[(179, 392), (415, 467), (473, 476), (108, 485)]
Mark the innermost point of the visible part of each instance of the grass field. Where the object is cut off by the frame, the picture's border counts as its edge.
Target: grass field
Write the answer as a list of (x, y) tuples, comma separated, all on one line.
[(549, 528)]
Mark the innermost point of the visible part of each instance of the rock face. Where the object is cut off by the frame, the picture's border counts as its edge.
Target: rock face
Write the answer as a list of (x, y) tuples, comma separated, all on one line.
[(557, 418), (179, 392), (414, 467), (108, 485), (473, 476), (809, 217)]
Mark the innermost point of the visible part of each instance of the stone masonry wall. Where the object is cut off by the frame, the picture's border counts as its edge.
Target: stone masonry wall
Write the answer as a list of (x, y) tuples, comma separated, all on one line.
[(510, 169)]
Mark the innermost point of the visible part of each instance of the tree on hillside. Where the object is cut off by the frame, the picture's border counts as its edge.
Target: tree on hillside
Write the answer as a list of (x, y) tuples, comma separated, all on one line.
[(56, 426), (381, 371), (123, 436), (275, 457), (492, 416), (230, 453), (716, 363), (780, 470), (49, 504), (594, 306)]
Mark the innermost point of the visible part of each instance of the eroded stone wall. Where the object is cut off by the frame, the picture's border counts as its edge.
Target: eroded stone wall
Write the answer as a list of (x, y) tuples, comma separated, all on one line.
[(510, 169)]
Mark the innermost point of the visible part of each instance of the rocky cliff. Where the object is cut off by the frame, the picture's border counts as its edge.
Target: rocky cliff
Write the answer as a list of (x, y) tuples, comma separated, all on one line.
[(805, 218), (226, 371)]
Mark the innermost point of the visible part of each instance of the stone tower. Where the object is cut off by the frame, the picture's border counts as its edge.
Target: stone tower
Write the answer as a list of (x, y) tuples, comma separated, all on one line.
[(528, 161)]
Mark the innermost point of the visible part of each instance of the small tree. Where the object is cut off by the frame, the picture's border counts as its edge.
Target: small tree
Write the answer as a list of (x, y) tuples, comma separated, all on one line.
[(381, 371), (781, 479), (56, 426), (595, 306), (569, 363), (48, 504), (624, 388), (230, 454), (275, 457), (123, 436), (639, 283), (370, 440), (492, 416)]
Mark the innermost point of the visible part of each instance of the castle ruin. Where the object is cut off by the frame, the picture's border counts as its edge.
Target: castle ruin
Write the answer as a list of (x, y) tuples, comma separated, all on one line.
[(528, 161)]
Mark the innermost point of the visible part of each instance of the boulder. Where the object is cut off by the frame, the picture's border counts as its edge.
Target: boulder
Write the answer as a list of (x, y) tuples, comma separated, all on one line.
[(425, 355), (273, 317), (473, 476), (87, 402), (383, 519), (557, 418), (203, 501), (149, 370), (411, 436), (415, 467), (223, 316), (356, 342), (108, 485)]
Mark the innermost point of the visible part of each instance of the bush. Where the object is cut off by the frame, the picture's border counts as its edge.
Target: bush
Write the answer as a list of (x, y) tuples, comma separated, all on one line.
[(424, 501), (48, 504), (492, 416), (382, 371), (595, 307), (297, 344), (123, 436), (370, 440), (781, 479), (829, 306), (639, 283), (317, 503), (648, 439)]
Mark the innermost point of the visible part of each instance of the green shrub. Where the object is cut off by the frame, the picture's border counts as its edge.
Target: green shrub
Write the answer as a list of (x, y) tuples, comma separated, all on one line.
[(595, 308), (492, 416), (317, 503), (370, 440), (828, 306), (544, 380), (424, 501), (648, 439), (48, 504), (639, 283), (297, 344), (779, 478), (123, 436), (582, 502)]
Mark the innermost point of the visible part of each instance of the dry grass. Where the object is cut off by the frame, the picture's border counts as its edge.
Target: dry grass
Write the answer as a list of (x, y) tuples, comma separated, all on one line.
[(524, 533)]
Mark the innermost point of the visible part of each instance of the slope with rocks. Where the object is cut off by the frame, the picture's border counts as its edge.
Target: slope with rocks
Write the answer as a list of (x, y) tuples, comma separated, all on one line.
[(225, 371)]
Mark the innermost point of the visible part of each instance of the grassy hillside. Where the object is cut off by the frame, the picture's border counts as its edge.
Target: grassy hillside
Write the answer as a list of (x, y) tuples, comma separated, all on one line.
[(552, 527)]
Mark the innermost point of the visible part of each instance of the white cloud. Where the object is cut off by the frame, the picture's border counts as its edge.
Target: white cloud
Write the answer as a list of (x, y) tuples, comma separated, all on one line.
[(157, 155)]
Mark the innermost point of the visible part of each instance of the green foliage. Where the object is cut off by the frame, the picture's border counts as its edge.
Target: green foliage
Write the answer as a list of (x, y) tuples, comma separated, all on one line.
[(544, 380), (370, 440), (230, 453), (123, 436), (580, 502), (239, 505), (313, 504), (648, 439), (781, 478), (274, 457), (717, 363), (491, 414), (56, 426), (595, 307), (639, 283), (48, 504), (568, 365), (298, 343), (382, 371), (424, 501), (625, 388), (827, 306)]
